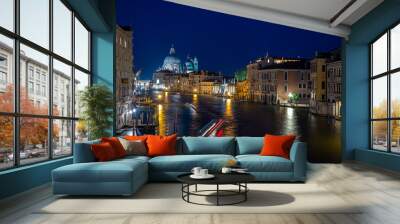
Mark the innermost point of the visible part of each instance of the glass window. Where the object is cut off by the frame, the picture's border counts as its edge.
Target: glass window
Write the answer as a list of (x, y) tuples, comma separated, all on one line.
[(31, 57), (33, 140), (7, 14), (395, 95), (379, 56), (395, 136), (62, 80), (30, 88), (35, 144), (6, 74), (395, 47), (379, 98), (385, 124), (379, 133), (62, 138), (34, 21), (81, 82), (81, 45), (81, 131), (6, 142), (62, 29)]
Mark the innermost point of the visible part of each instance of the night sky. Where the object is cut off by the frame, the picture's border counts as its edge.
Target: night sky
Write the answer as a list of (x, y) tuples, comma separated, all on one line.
[(222, 43)]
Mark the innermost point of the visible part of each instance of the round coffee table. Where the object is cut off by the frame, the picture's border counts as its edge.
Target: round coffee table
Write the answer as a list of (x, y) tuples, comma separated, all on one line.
[(238, 179)]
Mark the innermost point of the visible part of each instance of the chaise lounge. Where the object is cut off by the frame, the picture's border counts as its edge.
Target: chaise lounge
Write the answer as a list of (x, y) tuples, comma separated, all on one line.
[(125, 176)]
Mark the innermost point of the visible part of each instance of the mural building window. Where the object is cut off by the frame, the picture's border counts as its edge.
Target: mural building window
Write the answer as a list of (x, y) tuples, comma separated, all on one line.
[(43, 112), (385, 94)]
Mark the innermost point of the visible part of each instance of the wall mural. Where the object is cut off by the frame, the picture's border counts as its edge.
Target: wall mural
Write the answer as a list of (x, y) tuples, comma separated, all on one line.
[(196, 72)]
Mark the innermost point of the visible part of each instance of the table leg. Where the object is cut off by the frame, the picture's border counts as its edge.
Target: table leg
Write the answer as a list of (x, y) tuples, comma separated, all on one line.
[(217, 194), (245, 193), (188, 190), (182, 190)]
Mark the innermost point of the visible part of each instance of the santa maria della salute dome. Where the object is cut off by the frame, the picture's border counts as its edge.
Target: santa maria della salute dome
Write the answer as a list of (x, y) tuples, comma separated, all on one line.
[(173, 64)]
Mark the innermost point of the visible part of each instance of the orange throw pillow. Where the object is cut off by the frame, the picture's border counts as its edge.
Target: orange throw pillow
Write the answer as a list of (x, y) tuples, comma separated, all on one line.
[(277, 145), (116, 145), (136, 138), (161, 145), (103, 152)]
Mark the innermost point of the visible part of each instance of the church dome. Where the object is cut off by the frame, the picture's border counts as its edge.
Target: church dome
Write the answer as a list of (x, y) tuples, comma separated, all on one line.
[(171, 62)]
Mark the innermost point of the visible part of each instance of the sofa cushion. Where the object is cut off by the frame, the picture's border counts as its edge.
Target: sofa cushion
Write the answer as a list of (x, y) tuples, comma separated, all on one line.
[(257, 163), (116, 145), (185, 163), (161, 145), (136, 138), (208, 145), (249, 145), (112, 171), (136, 147), (103, 152), (277, 145), (133, 157), (83, 152)]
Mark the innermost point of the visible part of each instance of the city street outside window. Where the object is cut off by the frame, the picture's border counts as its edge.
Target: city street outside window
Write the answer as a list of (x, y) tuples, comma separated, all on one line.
[(45, 131), (385, 97)]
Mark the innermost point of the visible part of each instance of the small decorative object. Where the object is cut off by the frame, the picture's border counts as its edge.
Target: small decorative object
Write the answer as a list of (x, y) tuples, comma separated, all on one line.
[(200, 173), (226, 170), (203, 172), (196, 171), (231, 163)]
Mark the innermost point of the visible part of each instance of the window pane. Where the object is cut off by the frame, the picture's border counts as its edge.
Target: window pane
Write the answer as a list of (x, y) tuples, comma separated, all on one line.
[(62, 138), (379, 135), (395, 136), (395, 95), (6, 74), (81, 81), (62, 89), (62, 28), (6, 142), (81, 131), (395, 47), (81, 45), (379, 55), (7, 14), (34, 97), (35, 21), (33, 140), (379, 97)]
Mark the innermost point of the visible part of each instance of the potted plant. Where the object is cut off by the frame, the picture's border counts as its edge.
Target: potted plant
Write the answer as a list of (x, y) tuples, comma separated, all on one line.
[(96, 102)]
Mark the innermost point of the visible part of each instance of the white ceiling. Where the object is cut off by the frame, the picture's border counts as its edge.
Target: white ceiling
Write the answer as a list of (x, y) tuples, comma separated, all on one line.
[(325, 16)]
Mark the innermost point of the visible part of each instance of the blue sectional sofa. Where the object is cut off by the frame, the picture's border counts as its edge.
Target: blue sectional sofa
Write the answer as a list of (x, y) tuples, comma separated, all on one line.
[(125, 176)]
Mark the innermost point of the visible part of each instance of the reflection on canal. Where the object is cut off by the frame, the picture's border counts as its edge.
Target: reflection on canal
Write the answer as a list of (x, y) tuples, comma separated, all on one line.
[(186, 114)]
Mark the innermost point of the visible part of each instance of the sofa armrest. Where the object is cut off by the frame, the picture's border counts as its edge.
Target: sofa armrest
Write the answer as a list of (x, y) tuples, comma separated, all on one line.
[(83, 152), (298, 155)]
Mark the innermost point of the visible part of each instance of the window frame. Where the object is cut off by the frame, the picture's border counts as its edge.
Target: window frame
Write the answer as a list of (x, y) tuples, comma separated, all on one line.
[(16, 113), (388, 74)]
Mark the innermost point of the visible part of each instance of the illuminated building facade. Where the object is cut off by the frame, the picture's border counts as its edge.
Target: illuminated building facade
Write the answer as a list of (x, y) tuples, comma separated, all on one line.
[(279, 81), (125, 77), (326, 73)]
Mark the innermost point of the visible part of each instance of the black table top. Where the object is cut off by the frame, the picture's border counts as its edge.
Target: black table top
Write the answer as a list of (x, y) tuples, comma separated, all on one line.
[(220, 178)]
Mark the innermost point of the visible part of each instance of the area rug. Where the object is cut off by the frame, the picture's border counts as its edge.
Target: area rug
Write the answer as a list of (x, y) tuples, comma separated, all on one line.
[(166, 198)]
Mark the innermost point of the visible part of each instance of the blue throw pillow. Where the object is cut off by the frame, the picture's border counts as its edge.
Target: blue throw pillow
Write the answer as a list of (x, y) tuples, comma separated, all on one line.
[(249, 145), (208, 145)]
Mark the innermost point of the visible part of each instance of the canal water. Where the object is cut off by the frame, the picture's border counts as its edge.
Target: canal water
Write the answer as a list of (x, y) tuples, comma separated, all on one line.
[(187, 114)]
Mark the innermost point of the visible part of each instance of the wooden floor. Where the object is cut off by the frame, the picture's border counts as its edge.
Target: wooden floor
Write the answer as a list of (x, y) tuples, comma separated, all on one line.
[(378, 189)]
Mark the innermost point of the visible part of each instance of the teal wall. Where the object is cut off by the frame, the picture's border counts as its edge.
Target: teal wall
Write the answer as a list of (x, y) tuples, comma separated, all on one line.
[(103, 63), (355, 129), (24, 178), (99, 15)]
